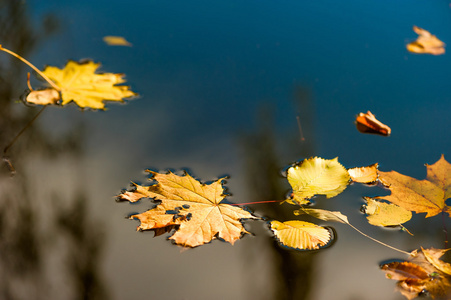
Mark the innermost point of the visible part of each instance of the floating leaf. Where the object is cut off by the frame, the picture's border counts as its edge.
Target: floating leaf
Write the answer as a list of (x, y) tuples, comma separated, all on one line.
[(426, 43), (432, 255), (317, 176), (324, 215), (385, 214), (47, 96), (203, 216), (78, 82), (419, 275), (300, 235), (421, 196), (116, 41), (364, 174), (367, 123)]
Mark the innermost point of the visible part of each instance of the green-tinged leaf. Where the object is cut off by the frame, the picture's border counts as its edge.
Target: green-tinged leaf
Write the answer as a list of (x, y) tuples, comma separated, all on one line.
[(385, 214), (300, 235), (317, 176)]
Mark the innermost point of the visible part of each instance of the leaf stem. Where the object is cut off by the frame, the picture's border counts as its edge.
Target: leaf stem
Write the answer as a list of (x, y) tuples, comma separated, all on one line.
[(257, 202), (377, 241), (445, 230), (31, 66)]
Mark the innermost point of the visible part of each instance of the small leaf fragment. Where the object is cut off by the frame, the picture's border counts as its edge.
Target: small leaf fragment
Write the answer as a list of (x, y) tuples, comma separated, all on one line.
[(47, 96), (385, 214), (367, 123), (317, 176), (366, 174), (426, 43), (111, 40), (300, 235)]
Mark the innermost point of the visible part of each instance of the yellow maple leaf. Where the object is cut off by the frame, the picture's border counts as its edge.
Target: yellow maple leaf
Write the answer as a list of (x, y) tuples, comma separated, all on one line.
[(195, 207), (421, 196), (426, 43), (300, 235), (80, 83), (317, 176)]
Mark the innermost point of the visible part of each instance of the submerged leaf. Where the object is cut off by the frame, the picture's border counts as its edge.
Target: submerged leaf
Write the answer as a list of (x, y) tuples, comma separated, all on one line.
[(317, 176), (364, 174), (301, 235), (426, 43), (385, 214), (367, 123), (421, 196), (79, 83), (203, 216)]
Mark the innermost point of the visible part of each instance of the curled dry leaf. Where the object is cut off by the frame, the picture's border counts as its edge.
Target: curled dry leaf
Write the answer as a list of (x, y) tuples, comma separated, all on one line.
[(385, 214), (317, 176), (111, 40), (367, 123), (420, 275), (80, 83), (47, 96), (300, 235), (364, 174), (196, 210), (426, 43), (421, 196), (323, 214)]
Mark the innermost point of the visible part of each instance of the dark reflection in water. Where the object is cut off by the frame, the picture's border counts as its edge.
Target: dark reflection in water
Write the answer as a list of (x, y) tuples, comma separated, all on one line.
[(293, 270), (27, 241)]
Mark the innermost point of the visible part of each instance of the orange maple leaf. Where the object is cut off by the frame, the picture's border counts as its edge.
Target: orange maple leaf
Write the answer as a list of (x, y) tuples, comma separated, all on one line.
[(196, 209), (421, 196)]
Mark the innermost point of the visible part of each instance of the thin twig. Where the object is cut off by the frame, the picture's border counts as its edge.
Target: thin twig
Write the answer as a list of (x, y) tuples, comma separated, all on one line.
[(31, 66), (22, 131)]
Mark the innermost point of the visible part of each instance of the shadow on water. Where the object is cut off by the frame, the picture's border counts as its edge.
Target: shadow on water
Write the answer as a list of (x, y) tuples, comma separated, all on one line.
[(292, 270), (27, 240)]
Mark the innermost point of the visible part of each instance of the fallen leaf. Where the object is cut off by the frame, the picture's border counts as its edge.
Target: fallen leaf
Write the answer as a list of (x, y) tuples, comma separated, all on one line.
[(367, 123), (203, 216), (364, 174), (300, 235), (421, 196), (419, 275), (47, 96), (324, 215), (385, 214), (426, 43), (432, 255), (79, 83), (116, 41), (316, 176)]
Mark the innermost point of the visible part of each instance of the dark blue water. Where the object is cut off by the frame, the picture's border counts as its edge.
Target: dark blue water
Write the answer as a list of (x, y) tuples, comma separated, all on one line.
[(221, 84)]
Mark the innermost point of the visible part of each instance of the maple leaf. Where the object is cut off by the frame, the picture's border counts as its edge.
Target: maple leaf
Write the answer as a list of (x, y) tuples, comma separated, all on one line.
[(316, 176), (426, 43), (424, 272), (197, 209), (300, 235), (421, 196), (78, 82)]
